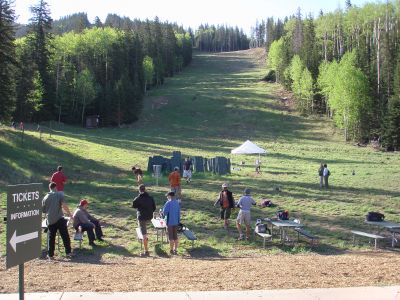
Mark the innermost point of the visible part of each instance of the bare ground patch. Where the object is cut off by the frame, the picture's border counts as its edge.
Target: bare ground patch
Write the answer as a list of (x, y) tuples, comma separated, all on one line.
[(189, 274)]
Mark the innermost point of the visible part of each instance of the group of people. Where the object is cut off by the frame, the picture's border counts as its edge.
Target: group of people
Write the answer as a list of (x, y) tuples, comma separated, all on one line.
[(54, 207), (323, 173), (171, 211), (227, 204)]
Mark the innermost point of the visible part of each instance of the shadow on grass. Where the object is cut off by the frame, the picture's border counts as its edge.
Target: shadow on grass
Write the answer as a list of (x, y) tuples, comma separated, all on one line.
[(204, 251)]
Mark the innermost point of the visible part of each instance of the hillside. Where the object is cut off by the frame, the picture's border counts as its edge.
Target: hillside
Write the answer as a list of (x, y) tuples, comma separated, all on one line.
[(213, 106)]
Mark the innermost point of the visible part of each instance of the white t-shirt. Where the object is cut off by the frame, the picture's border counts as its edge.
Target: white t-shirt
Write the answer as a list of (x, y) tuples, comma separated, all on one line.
[(326, 172)]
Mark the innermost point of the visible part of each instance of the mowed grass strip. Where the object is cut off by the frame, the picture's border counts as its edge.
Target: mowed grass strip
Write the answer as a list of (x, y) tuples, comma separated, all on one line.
[(213, 106)]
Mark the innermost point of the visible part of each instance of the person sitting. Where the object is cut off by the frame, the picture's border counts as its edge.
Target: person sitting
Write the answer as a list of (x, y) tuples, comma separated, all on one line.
[(86, 222)]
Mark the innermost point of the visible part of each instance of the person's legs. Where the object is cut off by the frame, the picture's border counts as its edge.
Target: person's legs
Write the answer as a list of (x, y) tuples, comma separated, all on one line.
[(170, 230), (62, 227), (97, 229), (247, 220), (89, 229), (326, 181), (143, 229), (175, 236), (238, 223), (227, 215), (52, 239), (321, 181)]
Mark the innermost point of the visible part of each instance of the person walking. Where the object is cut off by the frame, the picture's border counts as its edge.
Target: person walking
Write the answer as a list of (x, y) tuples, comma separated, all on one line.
[(86, 222), (145, 207), (174, 179), (326, 174), (138, 174), (172, 212), (227, 204), (245, 203), (321, 175), (59, 178), (187, 170), (53, 205)]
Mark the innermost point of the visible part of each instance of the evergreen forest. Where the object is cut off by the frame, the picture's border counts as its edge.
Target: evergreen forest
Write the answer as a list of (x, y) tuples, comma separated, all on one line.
[(345, 64)]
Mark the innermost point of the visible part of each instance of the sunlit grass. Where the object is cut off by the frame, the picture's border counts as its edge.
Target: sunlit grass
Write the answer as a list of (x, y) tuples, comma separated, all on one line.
[(214, 106)]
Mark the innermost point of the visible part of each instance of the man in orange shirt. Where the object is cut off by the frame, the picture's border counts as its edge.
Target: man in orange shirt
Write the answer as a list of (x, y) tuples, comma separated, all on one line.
[(174, 179)]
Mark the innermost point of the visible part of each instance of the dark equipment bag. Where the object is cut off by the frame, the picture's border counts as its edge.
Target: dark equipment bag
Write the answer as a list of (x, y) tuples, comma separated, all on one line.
[(373, 216)]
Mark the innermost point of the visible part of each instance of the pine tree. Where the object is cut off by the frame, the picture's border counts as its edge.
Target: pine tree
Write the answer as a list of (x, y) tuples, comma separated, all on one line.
[(40, 39), (7, 61)]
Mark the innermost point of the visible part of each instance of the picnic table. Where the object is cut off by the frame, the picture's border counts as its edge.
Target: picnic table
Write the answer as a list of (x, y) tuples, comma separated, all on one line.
[(161, 227), (392, 227), (282, 225)]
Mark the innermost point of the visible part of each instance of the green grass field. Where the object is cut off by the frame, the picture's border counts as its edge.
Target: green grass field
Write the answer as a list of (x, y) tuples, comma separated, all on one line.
[(213, 106)]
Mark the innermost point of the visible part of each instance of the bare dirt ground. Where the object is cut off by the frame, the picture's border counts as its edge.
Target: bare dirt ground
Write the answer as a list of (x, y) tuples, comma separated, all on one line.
[(187, 274)]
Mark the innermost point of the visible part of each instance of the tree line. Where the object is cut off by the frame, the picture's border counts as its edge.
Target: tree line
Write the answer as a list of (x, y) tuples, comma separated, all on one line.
[(78, 69), (345, 64)]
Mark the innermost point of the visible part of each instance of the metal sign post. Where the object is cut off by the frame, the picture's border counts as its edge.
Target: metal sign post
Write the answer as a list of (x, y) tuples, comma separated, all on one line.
[(24, 215)]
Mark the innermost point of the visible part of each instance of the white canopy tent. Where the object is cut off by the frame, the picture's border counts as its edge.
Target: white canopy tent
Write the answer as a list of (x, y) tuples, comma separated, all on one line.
[(248, 147)]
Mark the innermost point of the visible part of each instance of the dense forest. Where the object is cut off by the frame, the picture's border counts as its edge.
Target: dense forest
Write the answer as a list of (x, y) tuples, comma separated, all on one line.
[(69, 69), (345, 63)]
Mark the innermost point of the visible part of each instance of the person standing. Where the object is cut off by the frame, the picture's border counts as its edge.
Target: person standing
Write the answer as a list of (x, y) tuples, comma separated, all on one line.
[(59, 178), (174, 179), (87, 222), (321, 175), (326, 174), (187, 170), (138, 174), (172, 212), (258, 166), (245, 203), (145, 206), (53, 205), (227, 204)]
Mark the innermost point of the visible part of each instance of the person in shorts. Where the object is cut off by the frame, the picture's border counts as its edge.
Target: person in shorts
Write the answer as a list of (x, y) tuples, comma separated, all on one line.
[(138, 174), (187, 170), (227, 204), (174, 179), (172, 212), (145, 206), (245, 203)]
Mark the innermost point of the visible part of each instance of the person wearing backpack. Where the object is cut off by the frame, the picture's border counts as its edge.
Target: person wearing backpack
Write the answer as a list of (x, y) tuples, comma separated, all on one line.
[(321, 175), (227, 204), (326, 174)]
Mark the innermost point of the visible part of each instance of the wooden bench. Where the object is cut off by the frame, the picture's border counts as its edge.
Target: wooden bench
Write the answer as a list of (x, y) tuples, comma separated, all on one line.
[(300, 231), (139, 236), (368, 235), (264, 236)]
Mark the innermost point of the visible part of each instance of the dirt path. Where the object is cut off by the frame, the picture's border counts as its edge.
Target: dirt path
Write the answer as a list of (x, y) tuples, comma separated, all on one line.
[(188, 274)]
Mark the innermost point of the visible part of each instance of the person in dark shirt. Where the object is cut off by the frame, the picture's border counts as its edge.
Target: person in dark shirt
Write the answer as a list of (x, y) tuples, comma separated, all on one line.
[(145, 206), (227, 204), (138, 174)]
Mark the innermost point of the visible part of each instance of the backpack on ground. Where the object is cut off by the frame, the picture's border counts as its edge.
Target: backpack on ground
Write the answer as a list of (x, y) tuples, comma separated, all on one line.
[(283, 215), (373, 216)]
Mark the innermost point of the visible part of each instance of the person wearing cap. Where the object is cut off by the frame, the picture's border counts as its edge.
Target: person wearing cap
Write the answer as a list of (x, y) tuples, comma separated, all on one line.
[(174, 179), (227, 203), (59, 178), (245, 203), (145, 207), (172, 213), (53, 206), (85, 221)]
